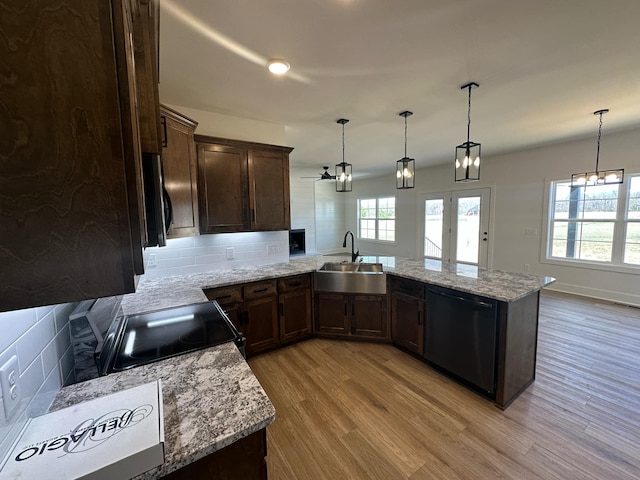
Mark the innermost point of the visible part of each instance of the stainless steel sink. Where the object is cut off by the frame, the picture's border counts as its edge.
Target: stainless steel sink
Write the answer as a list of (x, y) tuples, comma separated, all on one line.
[(351, 277)]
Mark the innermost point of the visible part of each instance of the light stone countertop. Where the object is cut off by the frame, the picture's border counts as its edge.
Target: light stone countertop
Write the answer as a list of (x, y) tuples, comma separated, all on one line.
[(159, 293), (211, 399)]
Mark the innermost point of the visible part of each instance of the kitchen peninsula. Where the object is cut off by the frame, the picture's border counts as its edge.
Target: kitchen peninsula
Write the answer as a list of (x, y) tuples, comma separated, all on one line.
[(211, 397)]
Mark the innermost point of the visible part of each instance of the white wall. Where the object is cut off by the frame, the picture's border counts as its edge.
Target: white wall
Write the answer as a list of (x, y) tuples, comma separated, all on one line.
[(518, 181), (302, 200), (41, 340), (329, 214)]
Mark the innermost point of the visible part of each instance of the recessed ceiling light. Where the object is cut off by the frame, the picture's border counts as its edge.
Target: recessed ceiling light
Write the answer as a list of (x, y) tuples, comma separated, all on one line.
[(278, 66)]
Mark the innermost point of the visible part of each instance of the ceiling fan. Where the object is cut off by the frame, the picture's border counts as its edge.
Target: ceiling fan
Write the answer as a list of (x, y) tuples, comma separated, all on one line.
[(324, 175)]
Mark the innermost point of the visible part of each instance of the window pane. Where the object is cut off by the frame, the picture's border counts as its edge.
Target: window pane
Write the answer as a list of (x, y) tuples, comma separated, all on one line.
[(433, 228), (367, 229), (633, 212), (368, 208), (387, 230), (596, 241), (632, 244)]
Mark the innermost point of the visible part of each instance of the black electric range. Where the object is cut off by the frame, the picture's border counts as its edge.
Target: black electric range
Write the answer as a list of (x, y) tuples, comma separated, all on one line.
[(134, 340)]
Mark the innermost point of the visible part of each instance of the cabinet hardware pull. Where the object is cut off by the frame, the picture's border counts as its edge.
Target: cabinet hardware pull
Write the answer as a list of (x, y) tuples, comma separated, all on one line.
[(222, 297), (353, 309), (282, 309), (165, 140), (420, 317), (260, 290), (253, 213), (295, 284)]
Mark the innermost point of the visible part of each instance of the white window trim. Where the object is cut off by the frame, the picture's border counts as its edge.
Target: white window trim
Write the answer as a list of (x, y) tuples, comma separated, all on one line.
[(376, 240), (564, 262)]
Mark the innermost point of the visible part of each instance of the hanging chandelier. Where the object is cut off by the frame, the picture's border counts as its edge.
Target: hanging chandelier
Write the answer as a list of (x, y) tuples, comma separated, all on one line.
[(343, 169), (468, 153), (598, 177), (405, 167)]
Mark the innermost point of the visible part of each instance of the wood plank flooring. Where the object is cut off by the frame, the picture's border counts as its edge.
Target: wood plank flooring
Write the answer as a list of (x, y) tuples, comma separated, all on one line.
[(352, 410)]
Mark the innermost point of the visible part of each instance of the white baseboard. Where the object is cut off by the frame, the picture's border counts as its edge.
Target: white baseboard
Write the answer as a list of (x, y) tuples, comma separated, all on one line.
[(598, 293)]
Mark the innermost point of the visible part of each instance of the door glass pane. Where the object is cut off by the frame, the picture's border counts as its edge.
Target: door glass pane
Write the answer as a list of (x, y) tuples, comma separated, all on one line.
[(468, 229), (433, 219), (632, 244)]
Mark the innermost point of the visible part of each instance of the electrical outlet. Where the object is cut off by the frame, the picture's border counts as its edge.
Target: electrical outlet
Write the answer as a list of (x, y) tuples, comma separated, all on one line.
[(273, 249), (533, 232), (9, 384), (230, 253), (151, 261), (527, 267)]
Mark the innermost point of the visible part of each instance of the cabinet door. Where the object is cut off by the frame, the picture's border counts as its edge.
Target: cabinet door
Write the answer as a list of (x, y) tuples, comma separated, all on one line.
[(331, 314), (222, 189), (65, 222), (261, 323), (146, 61), (368, 315), (295, 314), (407, 322), (269, 190), (180, 180)]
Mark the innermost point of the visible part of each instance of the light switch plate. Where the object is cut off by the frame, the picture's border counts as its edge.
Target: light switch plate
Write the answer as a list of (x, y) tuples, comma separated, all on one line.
[(230, 253), (10, 386)]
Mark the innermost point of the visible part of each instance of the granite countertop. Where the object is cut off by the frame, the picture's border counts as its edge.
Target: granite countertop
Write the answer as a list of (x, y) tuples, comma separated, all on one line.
[(156, 294), (211, 399)]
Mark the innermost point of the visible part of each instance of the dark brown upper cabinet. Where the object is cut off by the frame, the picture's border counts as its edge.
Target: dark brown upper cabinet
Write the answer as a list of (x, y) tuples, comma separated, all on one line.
[(243, 186), (71, 192), (180, 172), (146, 45)]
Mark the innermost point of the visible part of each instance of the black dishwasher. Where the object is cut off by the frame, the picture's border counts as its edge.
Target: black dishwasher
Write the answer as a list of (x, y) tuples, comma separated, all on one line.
[(460, 336)]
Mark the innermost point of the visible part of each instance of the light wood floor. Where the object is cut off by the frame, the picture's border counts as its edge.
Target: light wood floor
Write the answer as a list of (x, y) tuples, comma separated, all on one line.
[(347, 410)]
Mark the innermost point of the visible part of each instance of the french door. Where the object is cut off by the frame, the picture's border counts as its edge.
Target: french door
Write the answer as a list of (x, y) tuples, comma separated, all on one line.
[(456, 226)]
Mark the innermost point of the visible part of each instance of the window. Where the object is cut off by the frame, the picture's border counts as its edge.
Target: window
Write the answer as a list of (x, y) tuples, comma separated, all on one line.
[(599, 224), (377, 218)]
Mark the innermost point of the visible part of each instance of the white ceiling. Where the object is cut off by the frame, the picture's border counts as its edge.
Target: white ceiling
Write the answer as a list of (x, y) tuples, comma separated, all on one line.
[(544, 66)]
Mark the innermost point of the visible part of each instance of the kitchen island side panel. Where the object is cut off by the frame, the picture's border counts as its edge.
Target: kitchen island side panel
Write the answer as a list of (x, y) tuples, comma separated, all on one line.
[(517, 340)]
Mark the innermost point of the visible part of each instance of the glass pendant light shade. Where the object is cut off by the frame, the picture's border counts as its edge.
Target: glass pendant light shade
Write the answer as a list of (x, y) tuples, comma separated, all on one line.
[(343, 169), (598, 177), (343, 177), (468, 162), (467, 165), (405, 173), (405, 167)]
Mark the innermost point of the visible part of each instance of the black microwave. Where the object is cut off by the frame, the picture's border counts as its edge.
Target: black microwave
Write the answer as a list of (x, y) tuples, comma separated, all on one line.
[(157, 202)]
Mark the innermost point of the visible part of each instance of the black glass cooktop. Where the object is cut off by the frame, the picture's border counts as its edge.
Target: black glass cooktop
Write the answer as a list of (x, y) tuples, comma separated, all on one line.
[(153, 336)]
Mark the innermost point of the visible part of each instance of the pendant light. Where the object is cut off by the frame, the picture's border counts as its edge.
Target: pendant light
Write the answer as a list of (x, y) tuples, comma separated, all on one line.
[(468, 153), (604, 177), (343, 170), (405, 167)]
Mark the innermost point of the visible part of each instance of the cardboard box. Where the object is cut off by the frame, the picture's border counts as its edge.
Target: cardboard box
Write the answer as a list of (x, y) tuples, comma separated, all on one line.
[(117, 436)]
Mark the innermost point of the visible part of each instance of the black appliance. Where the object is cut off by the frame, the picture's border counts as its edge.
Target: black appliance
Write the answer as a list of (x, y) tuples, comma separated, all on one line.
[(460, 336), (296, 241), (158, 208), (134, 340)]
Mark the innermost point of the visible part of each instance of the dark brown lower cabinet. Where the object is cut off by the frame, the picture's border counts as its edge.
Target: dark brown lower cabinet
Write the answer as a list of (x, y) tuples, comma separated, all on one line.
[(261, 323), (244, 459), (253, 309), (295, 307), (268, 313), (351, 315), (407, 314)]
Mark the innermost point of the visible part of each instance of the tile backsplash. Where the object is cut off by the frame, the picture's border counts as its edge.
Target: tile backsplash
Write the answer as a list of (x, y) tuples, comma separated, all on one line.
[(206, 253), (41, 340)]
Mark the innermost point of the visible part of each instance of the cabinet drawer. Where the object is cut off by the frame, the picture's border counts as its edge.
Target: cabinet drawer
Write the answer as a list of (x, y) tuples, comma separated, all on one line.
[(259, 290), (408, 287), (289, 284), (225, 295)]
